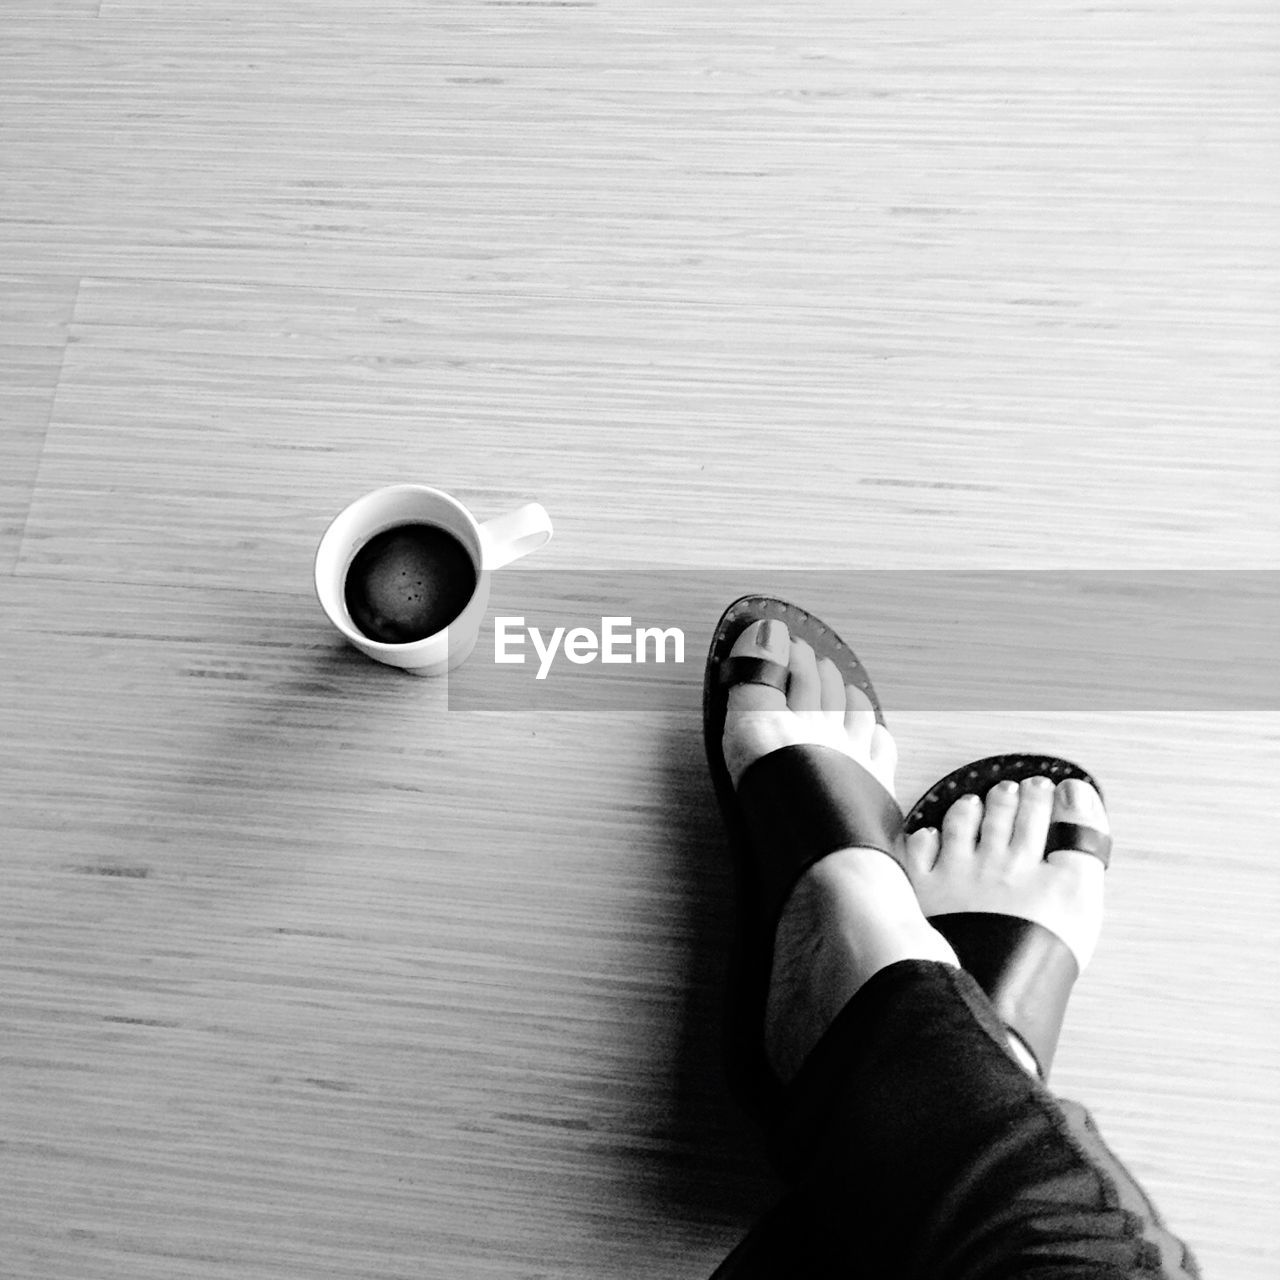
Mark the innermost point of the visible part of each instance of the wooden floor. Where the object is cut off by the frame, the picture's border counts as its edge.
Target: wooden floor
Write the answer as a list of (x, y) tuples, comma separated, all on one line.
[(307, 972)]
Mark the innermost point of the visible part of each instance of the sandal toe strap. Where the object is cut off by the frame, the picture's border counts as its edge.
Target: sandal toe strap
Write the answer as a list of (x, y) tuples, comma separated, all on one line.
[(747, 670), (1080, 839)]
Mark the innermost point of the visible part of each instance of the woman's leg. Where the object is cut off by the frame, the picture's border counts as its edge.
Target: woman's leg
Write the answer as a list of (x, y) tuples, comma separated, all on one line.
[(918, 1142), (918, 1148)]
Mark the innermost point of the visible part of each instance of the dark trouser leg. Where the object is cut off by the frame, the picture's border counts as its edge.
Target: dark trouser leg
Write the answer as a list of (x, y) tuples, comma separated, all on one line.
[(918, 1149)]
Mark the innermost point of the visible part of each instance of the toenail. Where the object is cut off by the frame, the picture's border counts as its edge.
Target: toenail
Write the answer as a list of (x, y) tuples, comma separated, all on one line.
[(1040, 784), (1006, 788), (768, 634)]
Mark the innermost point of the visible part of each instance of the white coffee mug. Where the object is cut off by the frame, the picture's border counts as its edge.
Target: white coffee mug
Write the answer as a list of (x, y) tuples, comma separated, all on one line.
[(490, 545)]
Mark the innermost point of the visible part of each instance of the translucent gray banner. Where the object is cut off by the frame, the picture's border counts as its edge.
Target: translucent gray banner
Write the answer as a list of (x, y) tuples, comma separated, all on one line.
[(636, 640)]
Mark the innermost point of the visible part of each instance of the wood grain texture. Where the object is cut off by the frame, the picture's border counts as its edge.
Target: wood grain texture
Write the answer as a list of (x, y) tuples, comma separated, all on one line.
[(304, 973)]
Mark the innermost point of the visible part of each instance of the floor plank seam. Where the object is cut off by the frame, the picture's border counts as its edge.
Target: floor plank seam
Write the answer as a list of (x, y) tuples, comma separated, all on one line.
[(44, 438)]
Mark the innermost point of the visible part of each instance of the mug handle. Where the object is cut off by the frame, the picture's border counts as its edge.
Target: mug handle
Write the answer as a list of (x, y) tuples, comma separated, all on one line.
[(507, 538)]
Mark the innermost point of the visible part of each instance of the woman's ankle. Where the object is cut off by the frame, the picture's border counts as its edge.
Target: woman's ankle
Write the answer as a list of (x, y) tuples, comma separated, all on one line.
[(849, 916)]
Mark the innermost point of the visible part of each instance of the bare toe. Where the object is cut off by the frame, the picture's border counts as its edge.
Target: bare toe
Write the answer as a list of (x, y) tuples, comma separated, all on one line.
[(997, 818), (804, 690), (1077, 801), (831, 691), (1031, 822), (755, 714), (921, 851), (859, 717), (960, 826), (769, 639)]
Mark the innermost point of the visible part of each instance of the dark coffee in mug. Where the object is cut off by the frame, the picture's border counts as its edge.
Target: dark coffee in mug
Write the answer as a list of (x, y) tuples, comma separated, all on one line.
[(408, 582)]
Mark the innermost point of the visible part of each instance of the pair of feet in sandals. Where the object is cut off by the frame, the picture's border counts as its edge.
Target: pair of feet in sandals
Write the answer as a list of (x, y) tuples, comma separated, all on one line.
[(853, 911)]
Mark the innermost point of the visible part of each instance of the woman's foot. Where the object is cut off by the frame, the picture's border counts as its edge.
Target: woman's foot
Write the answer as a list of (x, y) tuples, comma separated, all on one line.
[(853, 912), (989, 856)]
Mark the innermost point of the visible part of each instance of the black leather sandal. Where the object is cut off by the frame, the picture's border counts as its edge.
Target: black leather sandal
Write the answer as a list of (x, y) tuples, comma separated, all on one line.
[(791, 808), (1026, 970)]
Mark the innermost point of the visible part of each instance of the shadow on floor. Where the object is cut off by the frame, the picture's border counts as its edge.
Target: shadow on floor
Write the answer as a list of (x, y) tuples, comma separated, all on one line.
[(718, 1169)]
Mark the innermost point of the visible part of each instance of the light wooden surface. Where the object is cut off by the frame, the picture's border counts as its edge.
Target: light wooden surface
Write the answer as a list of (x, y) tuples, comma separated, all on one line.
[(304, 973)]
